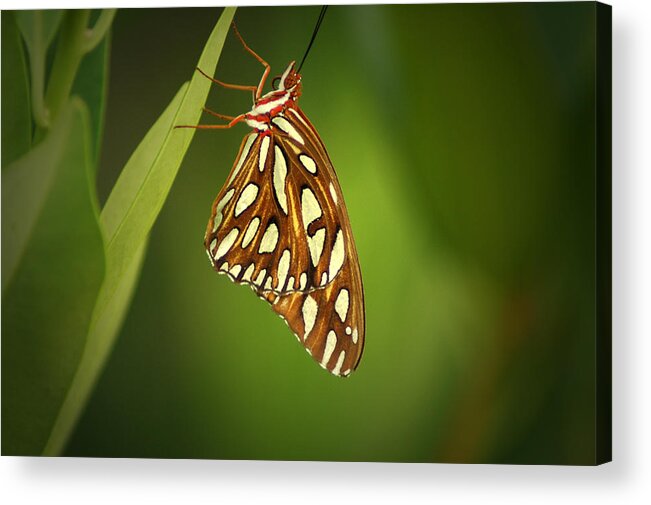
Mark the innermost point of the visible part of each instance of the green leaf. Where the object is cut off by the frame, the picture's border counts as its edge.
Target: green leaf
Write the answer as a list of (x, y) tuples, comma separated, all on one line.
[(115, 297), (108, 317), (26, 184), (91, 85), (16, 111), (127, 225), (48, 301), (127, 219)]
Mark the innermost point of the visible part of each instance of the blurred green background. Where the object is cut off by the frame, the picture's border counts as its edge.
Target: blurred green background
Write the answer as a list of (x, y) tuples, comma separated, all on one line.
[(463, 137)]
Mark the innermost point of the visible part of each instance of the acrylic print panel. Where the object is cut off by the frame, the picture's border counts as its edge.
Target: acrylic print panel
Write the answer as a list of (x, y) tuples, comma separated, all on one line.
[(471, 146)]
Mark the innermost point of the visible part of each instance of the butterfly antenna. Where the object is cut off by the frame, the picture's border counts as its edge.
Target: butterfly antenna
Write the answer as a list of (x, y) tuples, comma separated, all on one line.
[(324, 8)]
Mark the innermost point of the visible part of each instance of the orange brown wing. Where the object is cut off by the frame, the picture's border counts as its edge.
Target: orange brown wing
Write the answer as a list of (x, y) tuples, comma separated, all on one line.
[(280, 225)]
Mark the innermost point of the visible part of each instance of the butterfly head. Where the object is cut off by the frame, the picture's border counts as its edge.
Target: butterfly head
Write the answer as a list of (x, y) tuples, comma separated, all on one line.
[(291, 81)]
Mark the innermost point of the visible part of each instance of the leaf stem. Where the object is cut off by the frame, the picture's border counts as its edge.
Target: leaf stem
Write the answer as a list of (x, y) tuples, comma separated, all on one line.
[(95, 35), (66, 60), (37, 66)]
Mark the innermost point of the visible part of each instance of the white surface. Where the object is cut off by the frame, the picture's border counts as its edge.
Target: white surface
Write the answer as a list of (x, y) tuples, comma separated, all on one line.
[(627, 480)]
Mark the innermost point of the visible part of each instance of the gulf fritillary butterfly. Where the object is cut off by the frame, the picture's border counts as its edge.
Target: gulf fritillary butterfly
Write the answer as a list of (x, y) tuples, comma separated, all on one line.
[(280, 225)]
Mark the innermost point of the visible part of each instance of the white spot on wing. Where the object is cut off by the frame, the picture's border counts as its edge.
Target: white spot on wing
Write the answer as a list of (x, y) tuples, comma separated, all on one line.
[(337, 256), (302, 281), (243, 156), (260, 277), (290, 282), (283, 268), (298, 116), (224, 266), (315, 244), (310, 208), (288, 128), (264, 149), (235, 270), (340, 361), (267, 284), (226, 243), (348, 330), (331, 343), (280, 173), (269, 239), (308, 163), (355, 335), (250, 232), (249, 272), (333, 193), (310, 310), (341, 304), (247, 197), (324, 278), (220, 207)]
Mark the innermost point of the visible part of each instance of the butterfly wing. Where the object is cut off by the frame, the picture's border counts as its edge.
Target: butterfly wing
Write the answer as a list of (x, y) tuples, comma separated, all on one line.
[(280, 225), (329, 321), (272, 220)]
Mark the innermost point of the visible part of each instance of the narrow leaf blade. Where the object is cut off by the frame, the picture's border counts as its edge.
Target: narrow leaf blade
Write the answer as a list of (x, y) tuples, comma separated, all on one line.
[(132, 223), (105, 326), (127, 219)]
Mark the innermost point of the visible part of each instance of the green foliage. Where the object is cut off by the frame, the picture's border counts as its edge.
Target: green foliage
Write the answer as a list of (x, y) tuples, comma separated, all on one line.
[(91, 85), (16, 108), (69, 272), (148, 177), (460, 138), (26, 185), (38, 29), (56, 275)]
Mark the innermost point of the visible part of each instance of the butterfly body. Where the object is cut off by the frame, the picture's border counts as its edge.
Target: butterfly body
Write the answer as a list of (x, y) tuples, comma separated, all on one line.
[(280, 225), (274, 102)]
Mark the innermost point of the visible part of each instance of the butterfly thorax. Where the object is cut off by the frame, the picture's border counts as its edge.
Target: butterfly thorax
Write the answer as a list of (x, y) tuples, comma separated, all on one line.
[(275, 102)]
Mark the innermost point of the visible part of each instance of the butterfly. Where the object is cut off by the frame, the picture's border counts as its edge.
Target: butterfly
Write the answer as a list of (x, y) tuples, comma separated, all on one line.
[(280, 225)]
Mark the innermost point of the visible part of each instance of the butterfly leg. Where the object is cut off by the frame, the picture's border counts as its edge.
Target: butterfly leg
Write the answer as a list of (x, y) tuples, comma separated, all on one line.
[(267, 67), (256, 90), (228, 86), (217, 114), (242, 87), (232, 123)]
